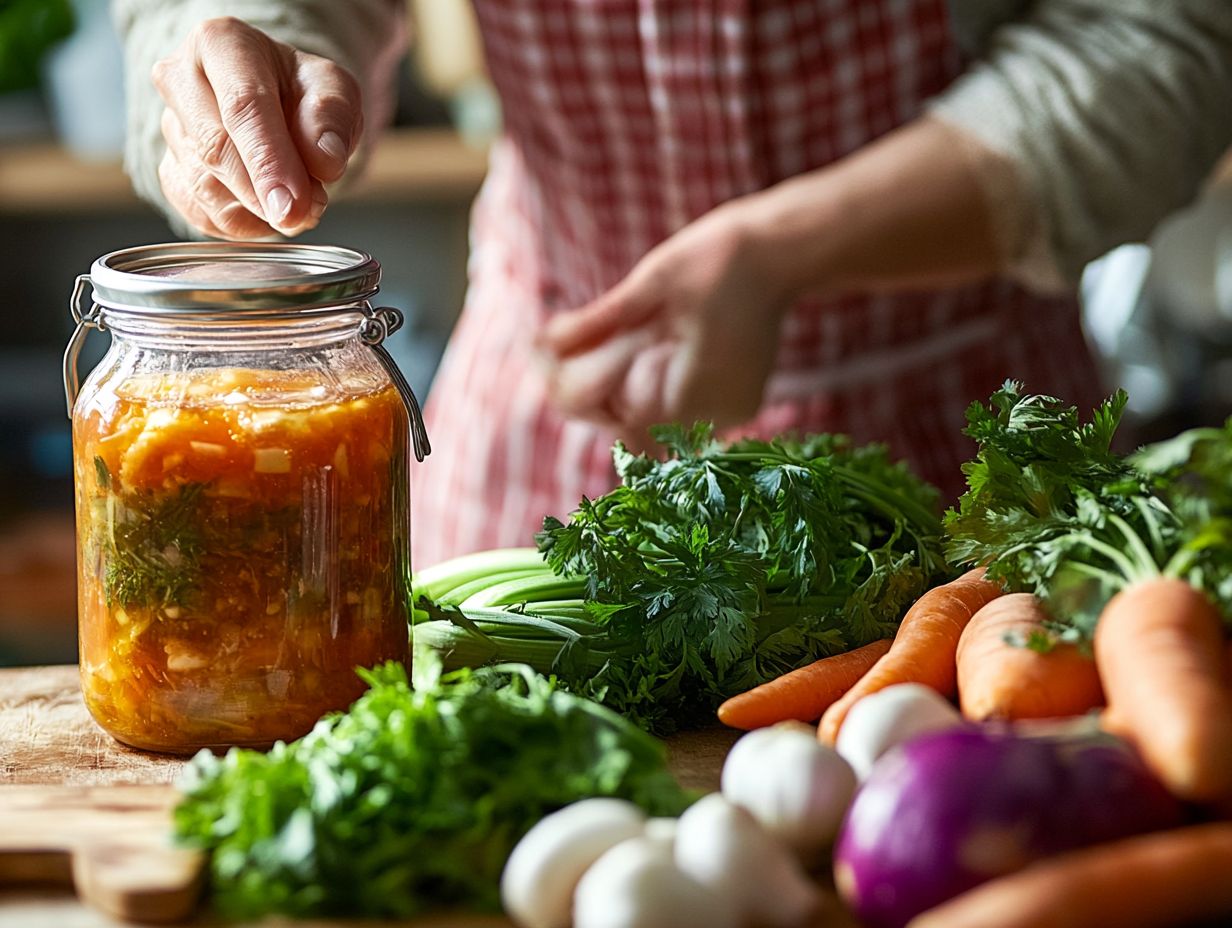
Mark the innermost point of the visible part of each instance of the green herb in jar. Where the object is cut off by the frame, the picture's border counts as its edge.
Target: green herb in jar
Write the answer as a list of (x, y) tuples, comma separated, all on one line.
[(152, 548)]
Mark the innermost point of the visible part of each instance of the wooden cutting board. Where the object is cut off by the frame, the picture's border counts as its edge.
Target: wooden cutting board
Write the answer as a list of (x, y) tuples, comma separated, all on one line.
[(83, 809), (109, 842)]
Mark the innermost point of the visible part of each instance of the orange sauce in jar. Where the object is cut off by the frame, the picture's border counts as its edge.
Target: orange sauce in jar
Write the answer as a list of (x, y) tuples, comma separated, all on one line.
[(242, 542)]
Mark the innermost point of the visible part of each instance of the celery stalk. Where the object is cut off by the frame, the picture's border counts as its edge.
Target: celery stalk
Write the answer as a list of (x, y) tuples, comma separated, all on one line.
[(439, 580), (462, 647), (577, 611), (527, 590), (465, 591)]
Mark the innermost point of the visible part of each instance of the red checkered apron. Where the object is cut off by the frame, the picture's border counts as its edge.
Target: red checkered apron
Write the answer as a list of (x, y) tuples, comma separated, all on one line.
[(626, 119)]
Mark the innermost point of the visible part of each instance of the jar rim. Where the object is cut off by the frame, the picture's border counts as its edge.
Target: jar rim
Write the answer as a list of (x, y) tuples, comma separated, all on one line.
[(230, 279)]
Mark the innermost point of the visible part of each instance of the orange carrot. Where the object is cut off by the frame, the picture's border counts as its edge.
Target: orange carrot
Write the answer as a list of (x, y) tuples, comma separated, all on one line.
[(1160, 652), (923, 650), (999, 678), (1150, 881), (804, 694)]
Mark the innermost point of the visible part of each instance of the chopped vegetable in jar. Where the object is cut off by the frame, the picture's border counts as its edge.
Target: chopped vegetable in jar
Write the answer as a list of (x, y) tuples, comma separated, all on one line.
[(241, 536)]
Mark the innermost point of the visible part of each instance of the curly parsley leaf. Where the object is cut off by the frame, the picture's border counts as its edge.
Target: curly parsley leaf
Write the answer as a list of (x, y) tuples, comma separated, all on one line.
[(725, 565), (1050, 509), (414, 798)]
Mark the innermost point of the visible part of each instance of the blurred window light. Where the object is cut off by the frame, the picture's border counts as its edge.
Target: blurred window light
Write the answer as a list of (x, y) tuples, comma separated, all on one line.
[(1111, 288)]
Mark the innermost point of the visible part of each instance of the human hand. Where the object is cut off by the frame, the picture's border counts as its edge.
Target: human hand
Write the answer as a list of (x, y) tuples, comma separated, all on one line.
[(690, 333), (253, 130)]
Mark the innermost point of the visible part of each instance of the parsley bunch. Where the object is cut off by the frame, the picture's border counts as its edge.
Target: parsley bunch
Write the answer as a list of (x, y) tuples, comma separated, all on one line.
[(414, 798), (1194, 473), (703, 574), (726, 566), (1052, 510)]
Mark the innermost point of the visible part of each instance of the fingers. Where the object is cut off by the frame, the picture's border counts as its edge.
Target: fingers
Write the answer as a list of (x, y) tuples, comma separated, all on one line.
[(327, 121), (647, 376), (584, 386), (247, 73), (675, 340), (204, 200), (640, 400), (629, 304), (230, 88)]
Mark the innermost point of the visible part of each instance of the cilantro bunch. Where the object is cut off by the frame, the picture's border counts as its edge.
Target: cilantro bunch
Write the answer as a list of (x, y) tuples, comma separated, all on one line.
[(1052, 510), (414, 798)]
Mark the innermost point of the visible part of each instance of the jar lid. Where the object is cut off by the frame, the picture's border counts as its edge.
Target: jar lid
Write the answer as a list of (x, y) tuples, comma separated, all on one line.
[(190, 277), (216, 281)]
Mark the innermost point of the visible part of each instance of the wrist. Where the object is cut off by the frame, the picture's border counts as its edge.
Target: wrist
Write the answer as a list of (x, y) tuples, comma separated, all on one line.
[(792, 236), (901, 213)]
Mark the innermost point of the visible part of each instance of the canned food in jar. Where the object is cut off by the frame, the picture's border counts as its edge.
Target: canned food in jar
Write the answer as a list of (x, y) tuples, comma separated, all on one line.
[(242, 520)]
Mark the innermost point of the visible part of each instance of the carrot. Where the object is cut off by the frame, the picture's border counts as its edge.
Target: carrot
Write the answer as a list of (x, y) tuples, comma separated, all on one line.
[(923, 650), (804, 694), (1000, 678), (1149, 881), (1160, 652)]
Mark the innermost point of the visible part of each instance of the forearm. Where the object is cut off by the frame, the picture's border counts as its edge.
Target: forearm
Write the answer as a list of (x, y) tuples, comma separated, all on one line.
[(1113, 111), (1086, 124), (906, 211)]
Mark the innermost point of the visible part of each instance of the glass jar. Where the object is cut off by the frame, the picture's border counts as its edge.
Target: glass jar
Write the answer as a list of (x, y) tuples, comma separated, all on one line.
[(241, 467)]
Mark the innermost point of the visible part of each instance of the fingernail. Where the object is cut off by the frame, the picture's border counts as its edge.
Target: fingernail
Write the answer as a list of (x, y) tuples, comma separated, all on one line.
[(278, 204), (331, 143), (319, 200)]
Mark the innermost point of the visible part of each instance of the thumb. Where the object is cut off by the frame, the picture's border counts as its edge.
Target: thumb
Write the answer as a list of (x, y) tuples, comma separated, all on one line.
[(627, 305), (584, 384)]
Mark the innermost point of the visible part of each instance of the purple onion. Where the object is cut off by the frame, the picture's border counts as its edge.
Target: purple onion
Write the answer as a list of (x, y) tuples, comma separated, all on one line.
[(950, 810)]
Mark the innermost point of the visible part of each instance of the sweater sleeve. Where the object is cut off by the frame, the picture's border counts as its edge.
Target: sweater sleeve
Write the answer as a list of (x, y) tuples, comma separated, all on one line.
[(364, 36), (1090, 121)]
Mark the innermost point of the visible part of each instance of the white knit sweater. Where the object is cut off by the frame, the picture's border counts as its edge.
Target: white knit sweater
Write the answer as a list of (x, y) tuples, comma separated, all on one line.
[(1088, 120)]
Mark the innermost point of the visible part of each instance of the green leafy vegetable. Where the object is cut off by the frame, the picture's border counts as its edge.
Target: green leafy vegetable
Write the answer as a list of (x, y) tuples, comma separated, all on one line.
[(1051, 510), (1194, 472), (153, 545), (709, 572), (101, 473), (413, 799)]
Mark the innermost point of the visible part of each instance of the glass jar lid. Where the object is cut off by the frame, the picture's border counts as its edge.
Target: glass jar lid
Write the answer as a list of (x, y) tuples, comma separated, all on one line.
[(218, 278), (234, 281)]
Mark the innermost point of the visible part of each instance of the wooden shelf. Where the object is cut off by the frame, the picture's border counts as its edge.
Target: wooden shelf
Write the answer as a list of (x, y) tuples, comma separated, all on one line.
[(408, 165), (421, 164)]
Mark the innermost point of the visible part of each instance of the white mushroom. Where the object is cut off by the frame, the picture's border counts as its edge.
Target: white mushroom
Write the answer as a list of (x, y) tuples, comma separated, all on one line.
[(723, 847), (889, 717), (636, 884), (795, 786), (662, 830), (542, 872)]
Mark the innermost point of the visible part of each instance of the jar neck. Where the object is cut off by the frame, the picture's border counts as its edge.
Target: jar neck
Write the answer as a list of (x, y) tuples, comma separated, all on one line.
[(222, 334)]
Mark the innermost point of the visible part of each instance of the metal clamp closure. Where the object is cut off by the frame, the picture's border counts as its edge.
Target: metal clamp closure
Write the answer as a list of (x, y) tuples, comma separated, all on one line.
[(379, 323), (87, 320)]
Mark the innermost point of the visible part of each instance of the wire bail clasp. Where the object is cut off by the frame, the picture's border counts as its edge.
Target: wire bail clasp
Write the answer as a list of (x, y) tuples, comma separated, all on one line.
[(379, 323), (87, 320)]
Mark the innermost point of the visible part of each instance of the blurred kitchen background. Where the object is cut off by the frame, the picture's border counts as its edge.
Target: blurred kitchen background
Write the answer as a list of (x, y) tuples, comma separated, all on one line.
[(1160, 316)]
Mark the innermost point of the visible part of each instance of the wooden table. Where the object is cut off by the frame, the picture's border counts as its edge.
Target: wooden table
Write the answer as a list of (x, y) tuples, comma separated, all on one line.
[(47, 738)]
